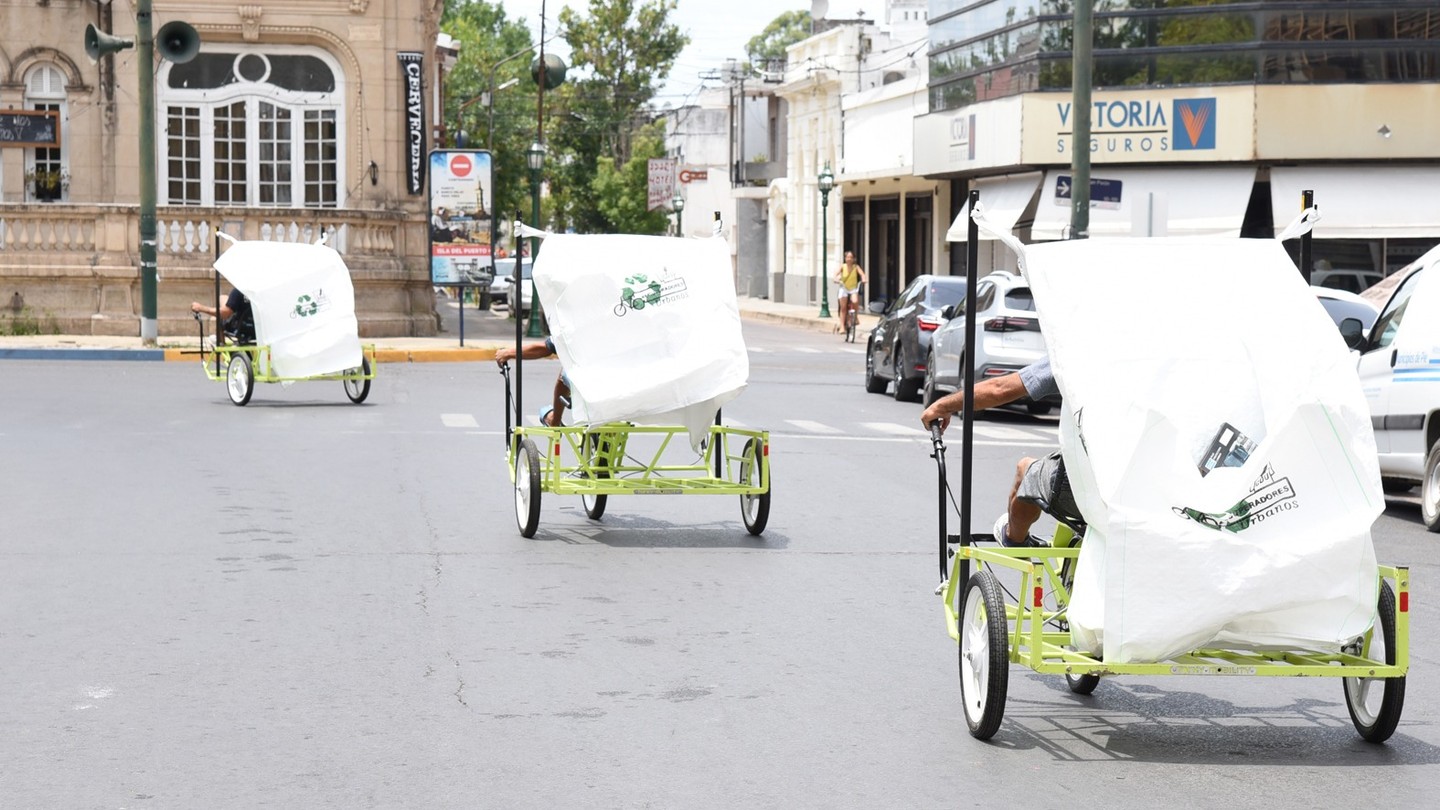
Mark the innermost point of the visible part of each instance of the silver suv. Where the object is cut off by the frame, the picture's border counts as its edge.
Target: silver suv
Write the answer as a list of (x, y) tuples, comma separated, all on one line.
[(1007, 331)]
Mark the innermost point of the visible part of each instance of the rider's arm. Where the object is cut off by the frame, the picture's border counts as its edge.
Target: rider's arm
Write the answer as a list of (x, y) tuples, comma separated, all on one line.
[(531, 351), (988, 394), (222, 311)]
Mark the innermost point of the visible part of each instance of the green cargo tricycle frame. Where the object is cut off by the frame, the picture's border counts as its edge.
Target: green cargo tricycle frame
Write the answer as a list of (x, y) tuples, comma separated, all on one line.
[(597, 461), (241, 365), (1032, 629)]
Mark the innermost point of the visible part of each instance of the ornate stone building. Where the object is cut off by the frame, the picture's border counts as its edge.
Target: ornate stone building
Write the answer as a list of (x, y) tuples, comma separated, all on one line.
[(295, 119)]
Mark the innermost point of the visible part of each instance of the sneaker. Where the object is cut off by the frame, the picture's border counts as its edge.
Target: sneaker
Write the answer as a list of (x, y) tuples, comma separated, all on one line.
[(1002, 535)]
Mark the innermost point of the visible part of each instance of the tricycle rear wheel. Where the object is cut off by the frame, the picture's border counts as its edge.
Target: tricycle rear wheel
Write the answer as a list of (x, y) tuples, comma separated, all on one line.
[(754, 509), (1375, 703), (358, 389), (240, 378)]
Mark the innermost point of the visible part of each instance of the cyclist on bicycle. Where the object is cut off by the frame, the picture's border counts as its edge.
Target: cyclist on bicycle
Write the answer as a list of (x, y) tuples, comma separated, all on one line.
[(849, 277)]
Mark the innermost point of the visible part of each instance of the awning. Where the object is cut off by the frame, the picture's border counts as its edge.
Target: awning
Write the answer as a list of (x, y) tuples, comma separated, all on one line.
[(1361, 202), (1003, 199), (1207, 201)]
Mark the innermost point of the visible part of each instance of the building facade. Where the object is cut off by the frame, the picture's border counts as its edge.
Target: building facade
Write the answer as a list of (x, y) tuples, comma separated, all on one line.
[(1207, 119), (294, 121)]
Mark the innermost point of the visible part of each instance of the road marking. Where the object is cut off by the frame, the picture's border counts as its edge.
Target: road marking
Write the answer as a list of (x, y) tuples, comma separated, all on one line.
[(458, 420), (758, 350), (1002, 432), (813, 427), (894, 429), (807, 350)]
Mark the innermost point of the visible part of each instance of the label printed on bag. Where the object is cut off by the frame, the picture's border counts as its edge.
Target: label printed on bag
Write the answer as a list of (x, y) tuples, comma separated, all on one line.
[(642, 291), (1269, 496)]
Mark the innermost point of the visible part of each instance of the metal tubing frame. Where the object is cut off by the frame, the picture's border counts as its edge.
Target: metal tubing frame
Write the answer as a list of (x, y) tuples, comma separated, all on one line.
[(577, 475), (1047, 652), (260, 364)]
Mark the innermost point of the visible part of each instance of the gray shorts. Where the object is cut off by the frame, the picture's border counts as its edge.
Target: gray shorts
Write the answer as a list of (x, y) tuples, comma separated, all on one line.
[(1046, 485)]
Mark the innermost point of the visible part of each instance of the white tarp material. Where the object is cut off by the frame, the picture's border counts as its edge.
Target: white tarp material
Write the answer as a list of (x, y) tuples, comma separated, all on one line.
[(1159, 346), (647, 327), (304, 304)]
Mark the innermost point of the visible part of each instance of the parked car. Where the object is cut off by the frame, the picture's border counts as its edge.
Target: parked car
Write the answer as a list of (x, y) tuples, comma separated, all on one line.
[(502, 288), (1399, 367), (1007, 332), (1349, 280), (1341, 305), (899, 344)]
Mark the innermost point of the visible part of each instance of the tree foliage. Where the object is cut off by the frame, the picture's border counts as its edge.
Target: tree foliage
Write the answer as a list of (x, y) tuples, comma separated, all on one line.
[(621, 191), (487, 36), (769, 45)]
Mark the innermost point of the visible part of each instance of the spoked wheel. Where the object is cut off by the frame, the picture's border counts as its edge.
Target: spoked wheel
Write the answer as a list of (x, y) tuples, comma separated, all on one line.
[(357, 390), (595, 504), (755, 509), (851, 316), (240, 378), (1375, 703), (984, 655), (527, 488), (1079, 684)]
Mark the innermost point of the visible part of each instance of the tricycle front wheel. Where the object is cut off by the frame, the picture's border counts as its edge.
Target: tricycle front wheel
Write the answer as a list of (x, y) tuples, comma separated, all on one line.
[(527, 488)]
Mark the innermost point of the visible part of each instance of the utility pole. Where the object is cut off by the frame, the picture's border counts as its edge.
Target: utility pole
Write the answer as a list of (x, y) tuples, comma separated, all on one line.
[(1082, 62)]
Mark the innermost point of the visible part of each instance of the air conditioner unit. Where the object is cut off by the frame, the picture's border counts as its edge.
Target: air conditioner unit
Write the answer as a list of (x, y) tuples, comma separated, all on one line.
[(773, 76)]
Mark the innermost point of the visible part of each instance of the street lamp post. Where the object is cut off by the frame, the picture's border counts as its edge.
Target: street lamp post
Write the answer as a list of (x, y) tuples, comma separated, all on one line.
[(535, 159), (679, 205), (827, 184)]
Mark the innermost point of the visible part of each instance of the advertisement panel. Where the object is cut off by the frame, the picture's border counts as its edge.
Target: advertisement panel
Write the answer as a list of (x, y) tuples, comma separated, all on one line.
[(979, 136), (462, 186), (1190, 125)]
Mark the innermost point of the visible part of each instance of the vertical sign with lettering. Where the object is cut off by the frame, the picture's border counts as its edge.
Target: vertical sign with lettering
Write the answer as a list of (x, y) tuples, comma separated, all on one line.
[(410, 81), (662, 183)]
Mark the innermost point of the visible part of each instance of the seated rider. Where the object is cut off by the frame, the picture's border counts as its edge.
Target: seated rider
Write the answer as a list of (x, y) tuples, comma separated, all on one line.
[(1040, 484), (540, 350), (235, 314), (850, 276)]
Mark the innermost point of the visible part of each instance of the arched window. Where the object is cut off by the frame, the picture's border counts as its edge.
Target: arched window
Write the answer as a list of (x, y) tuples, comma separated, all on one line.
[(252, 127), (46, 173)]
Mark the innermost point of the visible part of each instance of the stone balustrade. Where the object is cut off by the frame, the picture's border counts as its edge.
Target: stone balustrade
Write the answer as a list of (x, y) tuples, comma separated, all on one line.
[(74, 269)]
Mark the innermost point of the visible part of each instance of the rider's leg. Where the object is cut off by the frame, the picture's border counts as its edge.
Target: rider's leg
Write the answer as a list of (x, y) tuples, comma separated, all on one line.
[(1022, 514)]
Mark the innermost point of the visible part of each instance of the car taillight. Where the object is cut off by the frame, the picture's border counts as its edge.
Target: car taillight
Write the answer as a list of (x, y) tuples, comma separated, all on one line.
[(928, 324), (1008, 323)]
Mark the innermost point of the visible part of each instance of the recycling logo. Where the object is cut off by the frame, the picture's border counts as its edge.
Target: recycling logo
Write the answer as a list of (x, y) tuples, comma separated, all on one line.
[(305, 306), (641, 291)]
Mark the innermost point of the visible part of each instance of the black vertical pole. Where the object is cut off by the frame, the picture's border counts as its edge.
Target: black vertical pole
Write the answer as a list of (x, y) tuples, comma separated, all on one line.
[(967, 369), (462, 316), (519, 326), (1307, 199), (219, 330)]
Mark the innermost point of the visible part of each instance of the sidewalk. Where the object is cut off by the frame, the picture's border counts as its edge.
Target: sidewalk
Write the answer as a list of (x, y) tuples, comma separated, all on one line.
[(485, 331)]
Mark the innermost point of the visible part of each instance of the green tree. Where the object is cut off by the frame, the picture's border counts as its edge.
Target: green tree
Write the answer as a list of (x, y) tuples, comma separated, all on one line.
[(621, 192), (769, 45), (487, 36)]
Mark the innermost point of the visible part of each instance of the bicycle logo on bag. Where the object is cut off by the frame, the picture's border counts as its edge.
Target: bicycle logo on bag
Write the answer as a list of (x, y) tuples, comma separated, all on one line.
[(641, 291)]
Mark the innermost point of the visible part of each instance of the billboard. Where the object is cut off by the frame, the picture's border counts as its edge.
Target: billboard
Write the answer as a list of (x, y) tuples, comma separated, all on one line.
[(662, 183), (462, 235)]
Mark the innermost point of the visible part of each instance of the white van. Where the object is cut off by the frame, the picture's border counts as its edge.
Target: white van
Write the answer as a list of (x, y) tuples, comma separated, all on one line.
[(1400, 372)]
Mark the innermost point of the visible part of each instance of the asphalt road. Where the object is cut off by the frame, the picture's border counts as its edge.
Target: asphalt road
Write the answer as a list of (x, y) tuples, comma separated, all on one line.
[(307, 603)]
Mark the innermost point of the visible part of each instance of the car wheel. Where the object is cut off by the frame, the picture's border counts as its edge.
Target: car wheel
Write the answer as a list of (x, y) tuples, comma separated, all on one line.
[(1430, 490), (905, 390), (873, 384), (928, 394)]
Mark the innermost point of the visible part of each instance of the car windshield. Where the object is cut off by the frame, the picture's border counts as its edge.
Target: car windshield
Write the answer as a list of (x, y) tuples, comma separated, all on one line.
[(945, 293)]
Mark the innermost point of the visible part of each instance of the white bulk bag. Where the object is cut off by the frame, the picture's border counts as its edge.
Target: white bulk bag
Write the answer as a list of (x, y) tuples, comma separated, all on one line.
[(304, 304), (647, 327), (1157, 345)]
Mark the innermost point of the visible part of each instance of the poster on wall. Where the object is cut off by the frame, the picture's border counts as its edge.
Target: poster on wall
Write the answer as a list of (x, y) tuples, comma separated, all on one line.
[(410, 83), (462, 236)]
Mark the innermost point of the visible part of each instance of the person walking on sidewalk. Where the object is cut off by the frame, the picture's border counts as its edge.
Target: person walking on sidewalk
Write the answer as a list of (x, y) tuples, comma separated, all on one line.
[(850, 276)]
